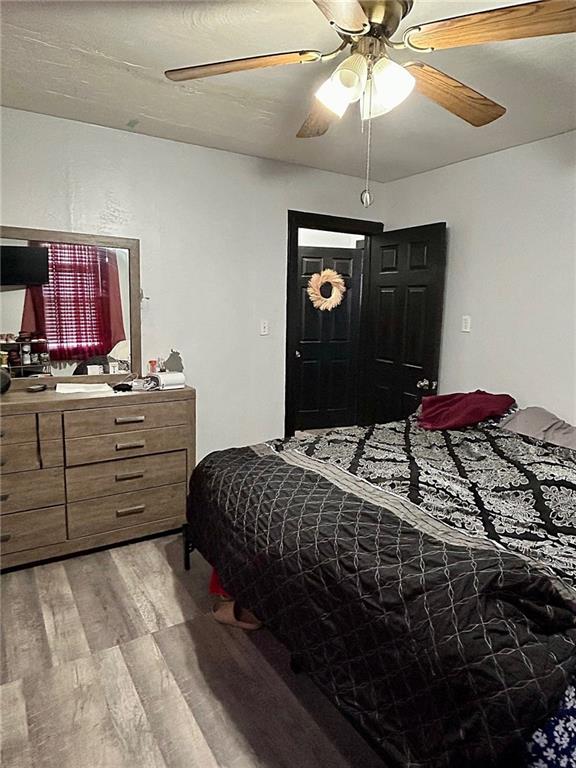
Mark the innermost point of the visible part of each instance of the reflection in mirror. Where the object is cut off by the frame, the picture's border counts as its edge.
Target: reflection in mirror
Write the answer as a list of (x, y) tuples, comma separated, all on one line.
[(65, 308)]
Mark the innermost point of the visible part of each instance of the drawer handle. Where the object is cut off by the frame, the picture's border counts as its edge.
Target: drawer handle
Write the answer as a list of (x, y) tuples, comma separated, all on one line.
[(3, 462), (4, 497), (5, 537), (131, 511), (2, 432), (129, 476), (127, 446), (129, 419)]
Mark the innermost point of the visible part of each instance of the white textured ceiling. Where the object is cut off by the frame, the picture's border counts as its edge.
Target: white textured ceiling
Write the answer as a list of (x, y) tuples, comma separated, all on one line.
[(103, 63)]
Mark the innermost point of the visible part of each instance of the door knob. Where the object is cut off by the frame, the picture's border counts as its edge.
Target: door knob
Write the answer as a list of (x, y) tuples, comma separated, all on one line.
[(423, 384), (298, 354)]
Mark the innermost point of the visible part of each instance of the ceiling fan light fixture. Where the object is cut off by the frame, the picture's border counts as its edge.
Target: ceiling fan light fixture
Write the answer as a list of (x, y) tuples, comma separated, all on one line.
[(351, 75), (388, 87), (345, 85), (333, 97)]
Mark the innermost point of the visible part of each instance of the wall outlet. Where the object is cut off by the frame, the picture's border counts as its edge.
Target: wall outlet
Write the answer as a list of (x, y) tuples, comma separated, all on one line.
[(466, 324), (264, 328)]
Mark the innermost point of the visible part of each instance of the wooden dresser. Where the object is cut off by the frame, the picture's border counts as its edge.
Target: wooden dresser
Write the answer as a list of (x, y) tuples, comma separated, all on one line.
[(84, 471)]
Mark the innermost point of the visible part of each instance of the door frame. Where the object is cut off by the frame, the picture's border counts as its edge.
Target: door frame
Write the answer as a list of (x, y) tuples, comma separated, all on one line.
[(302, 220)]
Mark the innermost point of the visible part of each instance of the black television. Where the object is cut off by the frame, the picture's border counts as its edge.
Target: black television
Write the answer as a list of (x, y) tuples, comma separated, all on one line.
[(23, 265)]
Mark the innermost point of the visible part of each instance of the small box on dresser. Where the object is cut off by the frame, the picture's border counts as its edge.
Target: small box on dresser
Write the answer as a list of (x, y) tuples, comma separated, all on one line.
[(83, 471)]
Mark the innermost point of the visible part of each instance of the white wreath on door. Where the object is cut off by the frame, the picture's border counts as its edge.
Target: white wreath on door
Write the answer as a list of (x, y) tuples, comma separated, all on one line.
[(326, 303)]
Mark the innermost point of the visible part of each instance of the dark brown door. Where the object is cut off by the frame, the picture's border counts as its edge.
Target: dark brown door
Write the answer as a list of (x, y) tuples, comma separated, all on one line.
[(326, 343), (402, 321)]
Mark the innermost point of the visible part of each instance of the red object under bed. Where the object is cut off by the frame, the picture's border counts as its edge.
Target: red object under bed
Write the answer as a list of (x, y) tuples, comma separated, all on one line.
[(216, 587)]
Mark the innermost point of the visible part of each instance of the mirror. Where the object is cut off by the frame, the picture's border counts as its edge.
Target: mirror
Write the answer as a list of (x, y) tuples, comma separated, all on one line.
[(70, 304)]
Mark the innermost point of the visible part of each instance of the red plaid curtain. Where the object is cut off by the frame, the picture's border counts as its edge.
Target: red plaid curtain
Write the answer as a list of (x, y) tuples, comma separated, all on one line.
[(79, 311)]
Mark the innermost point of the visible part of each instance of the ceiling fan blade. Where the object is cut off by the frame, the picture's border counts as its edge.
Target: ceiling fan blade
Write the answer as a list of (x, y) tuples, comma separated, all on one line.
[(347, 15), (454, 96), (547, 17), (317, 122), (239, 65)]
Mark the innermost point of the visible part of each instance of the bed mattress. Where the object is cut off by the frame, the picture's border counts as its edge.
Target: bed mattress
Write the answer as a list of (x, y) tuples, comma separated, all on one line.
[(425, 581)]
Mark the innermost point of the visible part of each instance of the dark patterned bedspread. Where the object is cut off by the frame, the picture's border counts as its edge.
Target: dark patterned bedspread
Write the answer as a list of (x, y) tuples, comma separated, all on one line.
[(484, 480), (444, 646)]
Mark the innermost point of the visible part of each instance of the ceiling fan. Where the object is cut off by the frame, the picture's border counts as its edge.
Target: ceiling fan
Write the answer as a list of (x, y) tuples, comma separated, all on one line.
[(370, 76)]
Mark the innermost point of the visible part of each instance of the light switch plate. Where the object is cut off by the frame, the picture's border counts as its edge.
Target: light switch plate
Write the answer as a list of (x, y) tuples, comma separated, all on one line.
[(466, 324), (264, 328)]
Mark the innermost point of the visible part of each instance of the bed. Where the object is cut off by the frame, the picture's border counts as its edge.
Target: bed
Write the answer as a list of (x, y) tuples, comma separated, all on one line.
[(425, 581)]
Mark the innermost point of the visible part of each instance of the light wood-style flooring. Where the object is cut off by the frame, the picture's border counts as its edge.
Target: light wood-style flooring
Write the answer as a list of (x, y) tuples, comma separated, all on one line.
[(111, 660)]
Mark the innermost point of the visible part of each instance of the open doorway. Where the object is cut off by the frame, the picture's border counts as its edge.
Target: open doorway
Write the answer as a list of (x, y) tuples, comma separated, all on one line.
[(374, 355)]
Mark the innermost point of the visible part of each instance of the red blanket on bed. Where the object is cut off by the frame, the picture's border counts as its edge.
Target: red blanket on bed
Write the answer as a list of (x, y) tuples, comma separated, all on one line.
[(462, 409)]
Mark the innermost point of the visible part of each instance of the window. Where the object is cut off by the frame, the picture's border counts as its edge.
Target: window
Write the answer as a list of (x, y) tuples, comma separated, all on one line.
[(79, 311)]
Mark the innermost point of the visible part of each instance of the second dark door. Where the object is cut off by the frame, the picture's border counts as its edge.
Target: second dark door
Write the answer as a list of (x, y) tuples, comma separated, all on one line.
[(402, 321)]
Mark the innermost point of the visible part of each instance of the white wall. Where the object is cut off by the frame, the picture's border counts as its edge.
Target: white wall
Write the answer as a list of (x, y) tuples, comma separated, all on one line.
[(213, 229), (11, 308), (325, 239), (511, 266)]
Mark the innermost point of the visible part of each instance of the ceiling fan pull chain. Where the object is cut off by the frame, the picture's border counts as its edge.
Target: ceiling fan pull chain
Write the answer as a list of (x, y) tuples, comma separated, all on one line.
[(366, 196)]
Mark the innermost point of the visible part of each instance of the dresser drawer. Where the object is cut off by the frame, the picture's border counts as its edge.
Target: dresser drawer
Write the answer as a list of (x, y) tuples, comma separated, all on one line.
[(85, 450), (18, 429), (19, 457), (111, 477), (127, 418), (27, 530), (123, 510), (52, 453), (31, 490)]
